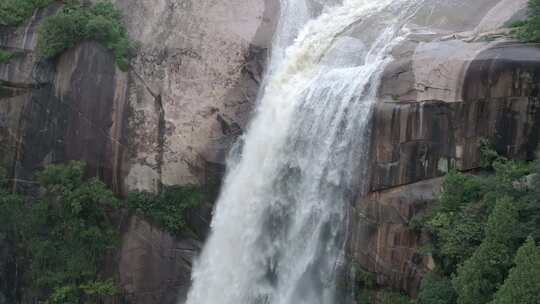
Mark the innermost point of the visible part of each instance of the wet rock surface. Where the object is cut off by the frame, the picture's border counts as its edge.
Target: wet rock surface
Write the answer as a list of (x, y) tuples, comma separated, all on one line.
[(382, 239), (170, 119), (442, 96), (173, 116), (492, 94), (154, 266)]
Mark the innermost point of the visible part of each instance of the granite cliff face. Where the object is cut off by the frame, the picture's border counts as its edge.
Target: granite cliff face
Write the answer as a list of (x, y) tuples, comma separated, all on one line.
[(186, 97), (442, 95), (192, 85), (173, 116), (169, 120)]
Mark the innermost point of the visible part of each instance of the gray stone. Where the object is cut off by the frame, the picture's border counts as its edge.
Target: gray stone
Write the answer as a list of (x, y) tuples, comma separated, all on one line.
[(194, 82), (443, 94), (169, 120), (438, 103), (154, 266), (189, 93), (381, 240)]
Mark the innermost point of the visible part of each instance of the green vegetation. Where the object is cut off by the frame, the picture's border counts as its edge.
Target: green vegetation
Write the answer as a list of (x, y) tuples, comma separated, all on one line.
[(62, 237), (457, 233), (77, 22), (58, 242), (479, 276), (436, 290), (72, 232), (523, 283), (74, 23), (15, 12), (529, 30), (383, 296), (477, 228), (364, 298), (388, 297), (12, 234), (5, 56), (169, 208), (365, 284)]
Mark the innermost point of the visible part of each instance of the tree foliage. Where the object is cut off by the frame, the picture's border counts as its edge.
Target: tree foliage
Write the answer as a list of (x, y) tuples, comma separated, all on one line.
[(436, 290), (389, 297), (529, 30), (73, 228), (169, 208), (5, 56), (76, 22), (62, 236), (523, 283), (458, 223), (478, 277), (477, 227), (58, 241), (15, 12), (13, 233)]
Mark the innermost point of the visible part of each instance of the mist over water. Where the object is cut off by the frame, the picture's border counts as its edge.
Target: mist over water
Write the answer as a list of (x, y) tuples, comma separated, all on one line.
[(279, 225)]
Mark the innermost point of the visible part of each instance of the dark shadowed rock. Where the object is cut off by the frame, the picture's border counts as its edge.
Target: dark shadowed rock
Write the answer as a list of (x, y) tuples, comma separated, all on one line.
[(493, 95), (441, 96), (154, 266), (75, 113), (381, 238), (93, 90), (172, 118)]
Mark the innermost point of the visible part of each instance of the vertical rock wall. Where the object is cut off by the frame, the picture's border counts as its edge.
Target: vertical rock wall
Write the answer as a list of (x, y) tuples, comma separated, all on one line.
[(74, 112), (193, 84), (172, 117), (169, 120), (21, 80), (441, 96), (190, 92)]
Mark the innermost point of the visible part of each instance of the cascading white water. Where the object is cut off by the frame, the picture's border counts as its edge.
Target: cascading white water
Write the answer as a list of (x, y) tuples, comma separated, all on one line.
[(278, 230)]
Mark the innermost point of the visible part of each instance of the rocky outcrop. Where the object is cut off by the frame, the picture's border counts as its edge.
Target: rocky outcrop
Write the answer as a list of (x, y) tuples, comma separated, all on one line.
[(63, 116), (467, 92), (96, 117), (154, 266), (441, 96), (20, 79), (70, 109), (173, 116), (383, 242), (191, 89), (169, 120), (193, 84)]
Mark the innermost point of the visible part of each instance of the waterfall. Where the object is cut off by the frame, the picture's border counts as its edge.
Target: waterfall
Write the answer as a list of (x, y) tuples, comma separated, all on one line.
[(279, 227)]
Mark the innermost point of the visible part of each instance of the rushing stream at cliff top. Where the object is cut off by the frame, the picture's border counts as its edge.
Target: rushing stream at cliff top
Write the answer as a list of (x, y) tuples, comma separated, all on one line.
[(279, 227)]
